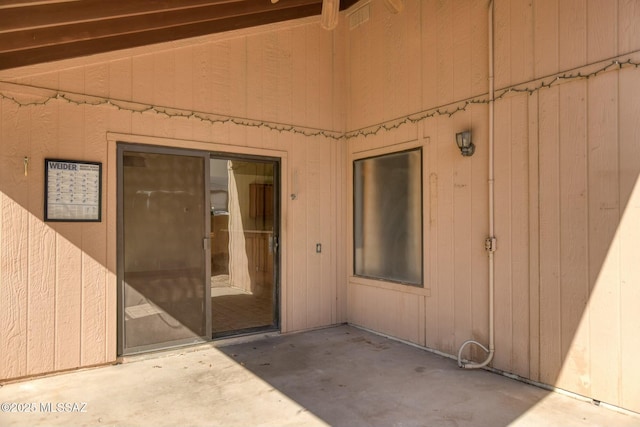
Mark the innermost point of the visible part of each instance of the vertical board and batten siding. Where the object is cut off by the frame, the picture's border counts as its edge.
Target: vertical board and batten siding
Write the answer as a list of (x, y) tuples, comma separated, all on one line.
[(628, 236), (512, 32), (381, 64), (567, 191), (585, 337), (58, 280), (437, 56), (13, 243)]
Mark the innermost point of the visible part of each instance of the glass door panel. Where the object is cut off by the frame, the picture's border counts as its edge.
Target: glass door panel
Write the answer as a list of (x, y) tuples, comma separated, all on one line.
[(243, 250), (165, 292)]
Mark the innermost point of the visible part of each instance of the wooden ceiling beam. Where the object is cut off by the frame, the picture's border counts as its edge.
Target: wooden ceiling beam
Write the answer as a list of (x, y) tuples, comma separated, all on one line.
[(47, 15), (31, 32), (100, 28)]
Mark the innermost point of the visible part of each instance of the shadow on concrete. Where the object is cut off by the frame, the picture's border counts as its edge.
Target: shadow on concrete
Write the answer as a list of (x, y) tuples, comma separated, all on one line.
[(350, 377), (340, 376)]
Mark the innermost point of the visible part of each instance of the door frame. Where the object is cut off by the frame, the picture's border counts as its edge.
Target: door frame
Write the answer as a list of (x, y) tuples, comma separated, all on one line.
[(207, 150)]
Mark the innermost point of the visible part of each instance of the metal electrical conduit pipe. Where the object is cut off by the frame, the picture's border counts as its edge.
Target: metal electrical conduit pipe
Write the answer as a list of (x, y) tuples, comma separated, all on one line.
[(490, 242)]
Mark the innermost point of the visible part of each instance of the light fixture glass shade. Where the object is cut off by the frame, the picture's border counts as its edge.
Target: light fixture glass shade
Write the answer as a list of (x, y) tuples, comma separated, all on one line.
[(463, 140)]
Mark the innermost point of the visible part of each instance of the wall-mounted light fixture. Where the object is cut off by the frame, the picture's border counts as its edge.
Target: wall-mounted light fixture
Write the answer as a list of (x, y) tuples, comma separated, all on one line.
[(463, 139)]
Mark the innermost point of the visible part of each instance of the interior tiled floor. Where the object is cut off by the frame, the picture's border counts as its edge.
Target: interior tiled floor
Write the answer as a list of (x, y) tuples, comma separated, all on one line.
[(233, 309)]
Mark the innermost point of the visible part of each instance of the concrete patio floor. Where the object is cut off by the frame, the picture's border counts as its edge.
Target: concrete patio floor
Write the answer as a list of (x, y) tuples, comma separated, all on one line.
[(340, 376)]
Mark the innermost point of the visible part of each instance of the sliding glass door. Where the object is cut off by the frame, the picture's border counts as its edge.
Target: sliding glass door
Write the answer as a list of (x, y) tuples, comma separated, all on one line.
[(197, 246), (163, 245)]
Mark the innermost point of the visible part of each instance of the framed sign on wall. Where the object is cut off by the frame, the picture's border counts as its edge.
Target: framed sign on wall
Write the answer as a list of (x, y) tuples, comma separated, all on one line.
[(72, 190)]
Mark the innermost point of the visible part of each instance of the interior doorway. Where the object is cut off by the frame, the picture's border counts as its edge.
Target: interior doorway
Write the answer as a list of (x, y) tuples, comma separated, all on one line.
[(197, 246)]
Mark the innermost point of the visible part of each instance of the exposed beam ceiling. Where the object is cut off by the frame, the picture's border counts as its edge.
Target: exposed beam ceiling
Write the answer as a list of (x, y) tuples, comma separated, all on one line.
[(40, 31)]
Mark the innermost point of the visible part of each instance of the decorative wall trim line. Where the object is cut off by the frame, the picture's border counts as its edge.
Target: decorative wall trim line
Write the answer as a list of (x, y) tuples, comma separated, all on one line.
[(530, 87), (27, 95)]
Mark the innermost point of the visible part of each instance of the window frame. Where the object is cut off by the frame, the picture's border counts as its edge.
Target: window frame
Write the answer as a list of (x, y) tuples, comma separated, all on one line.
[(376, 154)]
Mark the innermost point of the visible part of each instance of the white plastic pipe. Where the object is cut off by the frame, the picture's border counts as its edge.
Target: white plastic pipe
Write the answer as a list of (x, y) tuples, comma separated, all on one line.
[(491, 240)]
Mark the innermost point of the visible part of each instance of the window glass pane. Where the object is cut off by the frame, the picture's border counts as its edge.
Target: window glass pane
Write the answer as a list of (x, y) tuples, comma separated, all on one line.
[(388, 217)]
